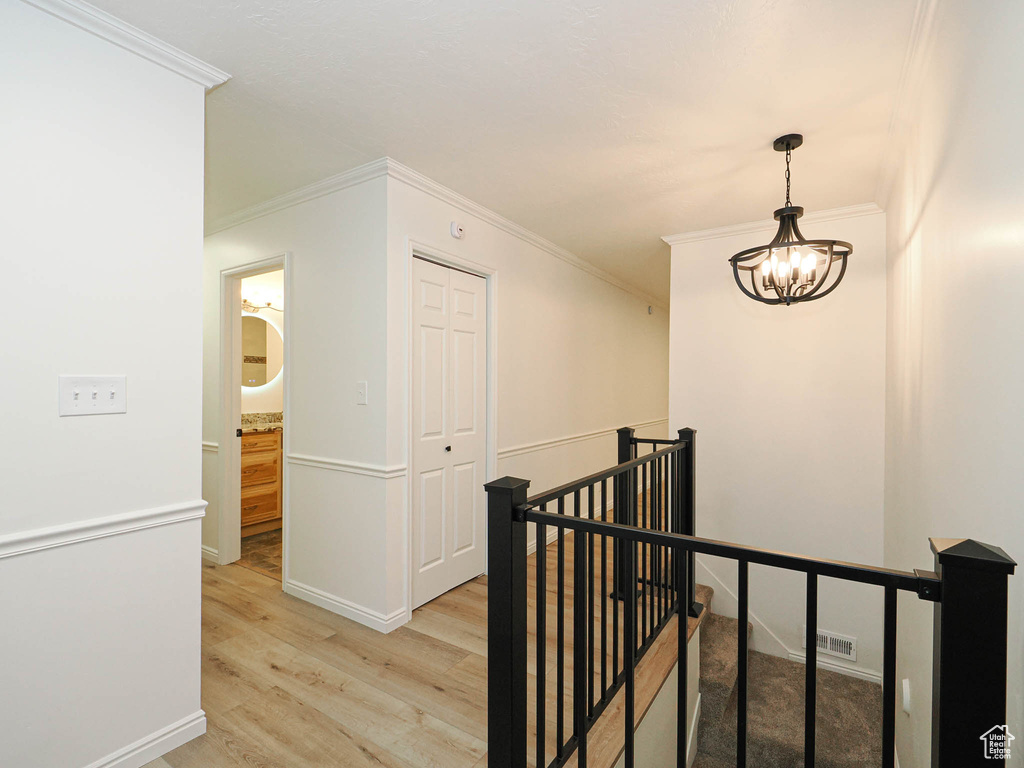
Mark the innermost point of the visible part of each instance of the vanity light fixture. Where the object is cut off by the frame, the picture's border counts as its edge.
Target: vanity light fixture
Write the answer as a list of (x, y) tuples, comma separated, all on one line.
[(790, 268), (248, 306)]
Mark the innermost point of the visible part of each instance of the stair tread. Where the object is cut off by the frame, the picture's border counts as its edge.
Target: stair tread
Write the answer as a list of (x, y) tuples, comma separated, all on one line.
[(704, 594), (848, 718)]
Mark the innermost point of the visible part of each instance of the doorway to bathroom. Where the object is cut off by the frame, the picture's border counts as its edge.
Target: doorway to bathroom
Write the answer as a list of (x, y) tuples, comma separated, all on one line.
[(254, 364), (262, 420)]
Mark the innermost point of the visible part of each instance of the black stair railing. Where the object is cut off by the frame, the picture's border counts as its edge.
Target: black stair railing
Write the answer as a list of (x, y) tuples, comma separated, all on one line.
[(652, 567)]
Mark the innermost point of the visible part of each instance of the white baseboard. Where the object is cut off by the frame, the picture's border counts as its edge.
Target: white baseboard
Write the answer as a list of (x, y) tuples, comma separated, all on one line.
[(339, 605), (211, 554), (552, 537), (151, 747), (863, 674)]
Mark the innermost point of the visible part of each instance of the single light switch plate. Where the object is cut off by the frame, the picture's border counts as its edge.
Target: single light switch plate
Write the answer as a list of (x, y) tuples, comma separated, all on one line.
[(92, 395), (360, 393)]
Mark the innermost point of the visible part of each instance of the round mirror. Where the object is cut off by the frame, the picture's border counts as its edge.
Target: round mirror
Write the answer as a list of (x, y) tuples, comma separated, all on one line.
[(262, 351)]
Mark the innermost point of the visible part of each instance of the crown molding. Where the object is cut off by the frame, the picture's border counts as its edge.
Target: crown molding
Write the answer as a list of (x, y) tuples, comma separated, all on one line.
[(385, 166), (752, 227), (428, 186), (922, 36), (106, 27), (336, 183)]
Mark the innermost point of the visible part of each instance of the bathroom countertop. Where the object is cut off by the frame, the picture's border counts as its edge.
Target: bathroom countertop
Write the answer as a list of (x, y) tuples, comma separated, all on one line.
[(263, 428)]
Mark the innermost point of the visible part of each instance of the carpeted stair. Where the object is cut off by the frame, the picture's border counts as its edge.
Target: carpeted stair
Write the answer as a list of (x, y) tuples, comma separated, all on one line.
[(849, 710)]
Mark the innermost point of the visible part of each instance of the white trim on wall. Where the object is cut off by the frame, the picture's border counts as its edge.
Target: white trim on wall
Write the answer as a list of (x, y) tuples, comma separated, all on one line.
[(691, 738), (106, 27), (871, 675), (418, 181), (543, 445), (209, 553), (24, 542), (350, 467), (336, 183), (751, 227), (209, 447), (387, 167), (339, 605), (159, 743)]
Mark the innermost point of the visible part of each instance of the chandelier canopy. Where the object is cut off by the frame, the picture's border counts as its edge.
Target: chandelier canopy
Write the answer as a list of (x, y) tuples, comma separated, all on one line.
[(790, 268)]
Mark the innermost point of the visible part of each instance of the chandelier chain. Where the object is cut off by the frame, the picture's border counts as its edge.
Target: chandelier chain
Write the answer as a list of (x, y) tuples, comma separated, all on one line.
[(789, 154)]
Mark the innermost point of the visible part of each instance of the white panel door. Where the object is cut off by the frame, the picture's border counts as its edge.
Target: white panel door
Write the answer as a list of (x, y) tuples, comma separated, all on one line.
[(449, 440)]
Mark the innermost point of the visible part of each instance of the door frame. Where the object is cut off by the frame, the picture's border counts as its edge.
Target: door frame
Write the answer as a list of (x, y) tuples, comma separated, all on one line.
[(229, 517), (415, 249)]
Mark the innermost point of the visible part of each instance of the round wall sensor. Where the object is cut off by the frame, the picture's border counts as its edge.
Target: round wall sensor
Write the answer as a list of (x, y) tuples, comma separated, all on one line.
[(456, 230)]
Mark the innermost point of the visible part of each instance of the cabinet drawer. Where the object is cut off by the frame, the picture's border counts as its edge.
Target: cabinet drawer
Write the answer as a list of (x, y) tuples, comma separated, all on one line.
[(259, 504), (259, 468), (260, 441)]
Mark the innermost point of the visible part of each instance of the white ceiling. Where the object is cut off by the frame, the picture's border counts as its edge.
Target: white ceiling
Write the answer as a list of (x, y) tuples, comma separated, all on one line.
[(599, 125)]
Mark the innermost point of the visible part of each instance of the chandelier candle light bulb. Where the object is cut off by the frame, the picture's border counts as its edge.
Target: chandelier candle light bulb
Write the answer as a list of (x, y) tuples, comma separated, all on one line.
[(792, 268)]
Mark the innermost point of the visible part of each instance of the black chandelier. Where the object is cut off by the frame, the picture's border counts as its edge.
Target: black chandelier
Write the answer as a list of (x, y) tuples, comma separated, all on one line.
[(790, 268)]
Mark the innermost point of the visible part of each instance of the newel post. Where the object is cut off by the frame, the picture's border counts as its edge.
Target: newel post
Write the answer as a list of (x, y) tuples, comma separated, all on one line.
[(688, 494), (969, 654), (506, 624), (621, 511)]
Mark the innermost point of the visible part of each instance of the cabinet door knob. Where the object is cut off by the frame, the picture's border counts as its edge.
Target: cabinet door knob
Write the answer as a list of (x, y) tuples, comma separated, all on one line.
[(447, 449)]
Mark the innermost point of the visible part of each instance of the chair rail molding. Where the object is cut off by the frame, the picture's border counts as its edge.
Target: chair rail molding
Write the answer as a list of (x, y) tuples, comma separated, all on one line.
[(543, 445), (106, 27), (37, 539), (349, 467)]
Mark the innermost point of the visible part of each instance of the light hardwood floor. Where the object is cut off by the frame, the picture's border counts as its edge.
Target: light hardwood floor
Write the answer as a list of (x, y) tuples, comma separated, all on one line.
[(286, 684)]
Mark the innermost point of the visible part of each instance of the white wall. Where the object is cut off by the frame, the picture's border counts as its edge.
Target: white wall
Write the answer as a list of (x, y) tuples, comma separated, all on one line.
[(575, 354), (99, 528), (337, 337), (578, 357), (788, 403), (955, 337), (656, 743)]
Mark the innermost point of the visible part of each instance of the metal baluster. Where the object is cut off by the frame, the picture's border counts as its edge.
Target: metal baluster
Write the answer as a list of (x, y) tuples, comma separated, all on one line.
[(604, 593), (742, 661), (660, 550), (560, 644), (542, 634), (889, 681), (643, 554), (810, 692), (579, 611), (618, 580), (629, 650), (682, 713), (590, 606)]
